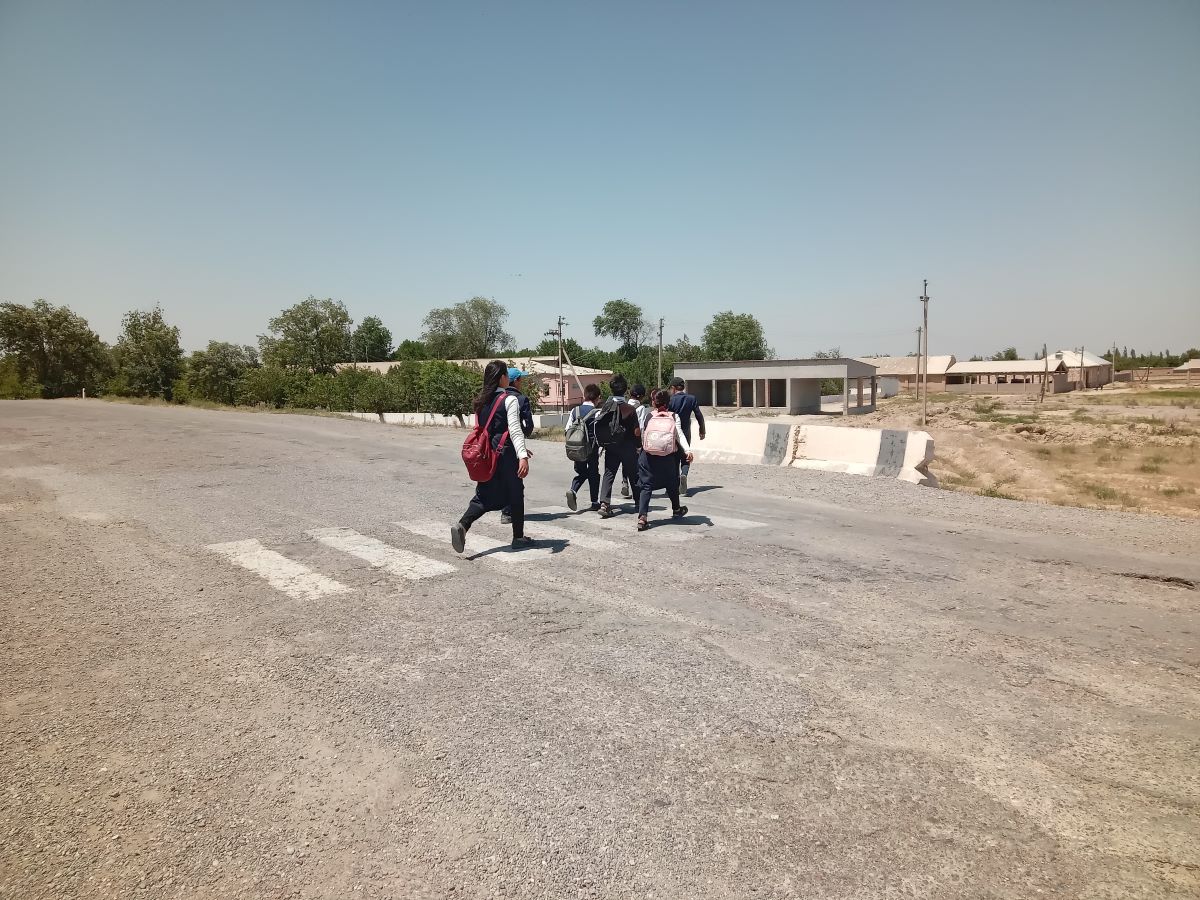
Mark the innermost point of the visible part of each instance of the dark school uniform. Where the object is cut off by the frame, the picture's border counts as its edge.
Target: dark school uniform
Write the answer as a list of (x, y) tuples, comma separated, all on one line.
[(505, 489)]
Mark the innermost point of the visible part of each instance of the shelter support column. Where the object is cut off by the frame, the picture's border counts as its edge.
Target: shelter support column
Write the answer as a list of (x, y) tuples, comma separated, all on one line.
[(846, 393), (860, 391)]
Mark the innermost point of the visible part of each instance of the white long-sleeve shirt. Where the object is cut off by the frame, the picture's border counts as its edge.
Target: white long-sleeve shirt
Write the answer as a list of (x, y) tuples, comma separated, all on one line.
[(512, 408)]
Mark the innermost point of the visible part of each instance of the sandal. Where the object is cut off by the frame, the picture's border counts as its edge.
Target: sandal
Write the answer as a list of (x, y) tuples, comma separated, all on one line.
[(679, 513), (605, 511), (643, 525)]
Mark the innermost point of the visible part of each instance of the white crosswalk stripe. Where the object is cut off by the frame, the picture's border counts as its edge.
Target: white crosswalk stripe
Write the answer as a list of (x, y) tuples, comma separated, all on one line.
[(625, 525), (498, 551), (296, 580), (720, 520), (578, 537), (400, 563)]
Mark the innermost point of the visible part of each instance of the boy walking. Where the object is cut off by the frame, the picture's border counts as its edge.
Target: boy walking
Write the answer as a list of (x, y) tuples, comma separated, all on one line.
[(589, 469), (617, 431), (685, 406)]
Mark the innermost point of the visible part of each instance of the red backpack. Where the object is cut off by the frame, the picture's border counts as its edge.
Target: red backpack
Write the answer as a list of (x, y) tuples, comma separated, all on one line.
[(477, 450)]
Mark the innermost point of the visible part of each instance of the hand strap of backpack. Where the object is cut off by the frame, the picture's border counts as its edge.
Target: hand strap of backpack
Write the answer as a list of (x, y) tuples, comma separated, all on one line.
[(492, 415)]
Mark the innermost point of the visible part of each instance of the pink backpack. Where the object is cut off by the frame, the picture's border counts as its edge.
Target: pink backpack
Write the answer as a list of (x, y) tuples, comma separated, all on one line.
[(658, 437)]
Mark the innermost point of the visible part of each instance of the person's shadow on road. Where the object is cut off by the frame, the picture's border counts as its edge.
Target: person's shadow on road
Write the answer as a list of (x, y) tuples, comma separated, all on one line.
[(553, 545)]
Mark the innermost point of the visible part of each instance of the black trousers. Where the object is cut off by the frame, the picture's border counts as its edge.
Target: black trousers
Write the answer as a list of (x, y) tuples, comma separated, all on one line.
[(505, 491), (588, 471), (623, 456)]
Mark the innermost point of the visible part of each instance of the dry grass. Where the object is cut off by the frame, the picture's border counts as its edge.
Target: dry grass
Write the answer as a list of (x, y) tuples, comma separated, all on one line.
[(1092, 449)]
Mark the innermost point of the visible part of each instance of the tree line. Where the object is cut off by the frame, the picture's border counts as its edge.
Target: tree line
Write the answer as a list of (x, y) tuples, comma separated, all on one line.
[(49, 351)]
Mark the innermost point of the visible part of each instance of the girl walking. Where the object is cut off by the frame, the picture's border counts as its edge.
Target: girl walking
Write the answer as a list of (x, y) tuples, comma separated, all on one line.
[(658, 464), (501, 411)]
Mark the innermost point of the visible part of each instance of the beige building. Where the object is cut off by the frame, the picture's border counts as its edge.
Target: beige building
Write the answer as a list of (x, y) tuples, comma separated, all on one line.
[(1096, 371), (904, 370), (1017, 376)]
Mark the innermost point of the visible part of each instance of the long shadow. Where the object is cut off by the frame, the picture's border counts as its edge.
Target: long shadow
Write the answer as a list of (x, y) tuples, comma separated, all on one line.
[(551, 516), (686, 520), (703, 488), (554, 546)]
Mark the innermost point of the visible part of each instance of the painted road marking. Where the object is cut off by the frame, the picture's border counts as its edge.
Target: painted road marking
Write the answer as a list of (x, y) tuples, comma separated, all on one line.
[(537, 529), (661, 529), (723, 521), (296, 580), (401, 563), (500, 551)]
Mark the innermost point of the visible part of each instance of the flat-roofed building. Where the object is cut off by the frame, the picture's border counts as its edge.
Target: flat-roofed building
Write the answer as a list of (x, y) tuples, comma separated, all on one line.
[(780, 385)]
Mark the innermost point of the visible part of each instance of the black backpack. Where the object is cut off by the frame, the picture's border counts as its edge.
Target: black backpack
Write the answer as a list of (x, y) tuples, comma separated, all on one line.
[(610, 424)]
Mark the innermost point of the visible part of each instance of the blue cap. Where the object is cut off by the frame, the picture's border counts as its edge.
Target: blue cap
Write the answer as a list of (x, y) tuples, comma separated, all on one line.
[(514, 374)]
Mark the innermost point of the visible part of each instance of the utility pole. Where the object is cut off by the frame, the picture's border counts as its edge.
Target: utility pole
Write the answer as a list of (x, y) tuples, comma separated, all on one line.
[(1082, 379), (562, 395), (661, 322), (917, 381), (925, 337), (1045, 374)]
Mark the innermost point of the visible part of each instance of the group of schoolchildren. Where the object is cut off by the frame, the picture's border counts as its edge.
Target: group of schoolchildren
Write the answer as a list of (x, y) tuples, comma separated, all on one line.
[(649, 445)]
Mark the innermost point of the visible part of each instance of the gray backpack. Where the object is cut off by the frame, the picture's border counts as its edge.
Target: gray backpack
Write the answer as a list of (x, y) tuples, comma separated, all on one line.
[(580, 437)]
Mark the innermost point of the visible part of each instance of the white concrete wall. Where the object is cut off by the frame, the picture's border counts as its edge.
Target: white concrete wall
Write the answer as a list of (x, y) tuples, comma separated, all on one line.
[(889, 452), (892, 453)]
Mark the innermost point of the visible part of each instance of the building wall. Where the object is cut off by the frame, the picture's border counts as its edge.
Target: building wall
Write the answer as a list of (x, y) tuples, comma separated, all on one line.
[(552, 399), (1058, 384), (910, 382)]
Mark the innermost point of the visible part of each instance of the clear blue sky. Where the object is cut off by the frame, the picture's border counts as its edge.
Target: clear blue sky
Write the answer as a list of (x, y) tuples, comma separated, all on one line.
[(1038, 162)]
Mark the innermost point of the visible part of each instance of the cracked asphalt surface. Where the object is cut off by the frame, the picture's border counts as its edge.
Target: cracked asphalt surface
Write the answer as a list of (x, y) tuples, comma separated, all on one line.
[(817, 686)]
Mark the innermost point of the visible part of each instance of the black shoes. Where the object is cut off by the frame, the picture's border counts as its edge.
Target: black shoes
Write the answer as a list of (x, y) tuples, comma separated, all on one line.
[(679, 513), (522, 542)]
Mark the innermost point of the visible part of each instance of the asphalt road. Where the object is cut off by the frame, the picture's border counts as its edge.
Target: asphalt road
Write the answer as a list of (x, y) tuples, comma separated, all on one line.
[(236, 664)]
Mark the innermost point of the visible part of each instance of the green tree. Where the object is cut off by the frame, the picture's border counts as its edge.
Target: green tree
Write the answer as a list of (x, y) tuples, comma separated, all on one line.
[(404, 384), (53, 348), (273, 386), (469, 330), (683, 350), (624, 323), (12, 385), (733, 335), (371, 341), (447, 389), (411, 350), (215, 373), (147, 356), (1008, 354), (313, 336)]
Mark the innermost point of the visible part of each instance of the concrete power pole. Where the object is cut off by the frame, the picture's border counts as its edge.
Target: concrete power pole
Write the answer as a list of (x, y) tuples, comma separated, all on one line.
[(925, 337), (661, 322), (917, 382), (562, 393), (1045, 374)]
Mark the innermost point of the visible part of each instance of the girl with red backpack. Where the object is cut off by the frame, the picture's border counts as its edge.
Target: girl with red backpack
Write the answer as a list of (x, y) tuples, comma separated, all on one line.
[(658, 465), (498, 418)]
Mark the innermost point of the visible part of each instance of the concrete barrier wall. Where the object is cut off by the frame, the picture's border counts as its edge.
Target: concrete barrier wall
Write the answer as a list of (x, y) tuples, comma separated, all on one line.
[(753, 443), (887, 452), (890, 452)]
